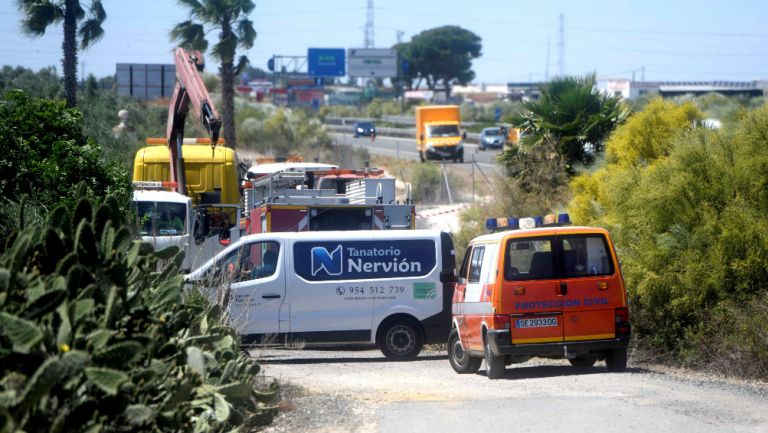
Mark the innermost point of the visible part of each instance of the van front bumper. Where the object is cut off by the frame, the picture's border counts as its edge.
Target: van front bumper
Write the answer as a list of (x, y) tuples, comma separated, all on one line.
[(445, 152), (501, 344)]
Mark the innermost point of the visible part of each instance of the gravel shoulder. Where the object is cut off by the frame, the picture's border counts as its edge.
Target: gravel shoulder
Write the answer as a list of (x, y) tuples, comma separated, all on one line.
[(360, 391)]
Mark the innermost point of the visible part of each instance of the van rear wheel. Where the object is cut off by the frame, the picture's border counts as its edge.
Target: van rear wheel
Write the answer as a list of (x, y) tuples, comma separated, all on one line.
[(460, 360), (495, 363), (616, 360), (401, 340)]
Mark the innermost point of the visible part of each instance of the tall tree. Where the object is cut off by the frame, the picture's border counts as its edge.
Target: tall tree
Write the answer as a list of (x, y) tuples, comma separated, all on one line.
[(230, 18), (406, 75), (40, 14), (569, 115), (444, 55)]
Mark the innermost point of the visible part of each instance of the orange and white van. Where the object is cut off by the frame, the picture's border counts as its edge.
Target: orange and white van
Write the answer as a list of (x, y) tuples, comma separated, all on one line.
[(553, 292)]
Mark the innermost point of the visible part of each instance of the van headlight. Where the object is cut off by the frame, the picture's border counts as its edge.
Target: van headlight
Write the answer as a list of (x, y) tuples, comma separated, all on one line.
[(430, 147)]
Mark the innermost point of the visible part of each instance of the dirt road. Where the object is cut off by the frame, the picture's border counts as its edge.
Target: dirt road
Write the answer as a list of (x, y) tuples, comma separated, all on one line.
[(359, 391)]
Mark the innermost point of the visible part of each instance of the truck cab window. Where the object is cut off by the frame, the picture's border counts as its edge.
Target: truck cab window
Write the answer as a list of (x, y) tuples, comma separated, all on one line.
[(442, 131), (161, 219)]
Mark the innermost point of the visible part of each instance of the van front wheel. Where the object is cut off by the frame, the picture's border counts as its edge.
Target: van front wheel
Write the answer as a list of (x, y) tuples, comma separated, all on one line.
[(401, 340), (460, 360)]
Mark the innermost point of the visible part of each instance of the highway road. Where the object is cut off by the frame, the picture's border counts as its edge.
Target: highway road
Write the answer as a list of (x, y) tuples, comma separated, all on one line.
[(405, 148), (360, 391)]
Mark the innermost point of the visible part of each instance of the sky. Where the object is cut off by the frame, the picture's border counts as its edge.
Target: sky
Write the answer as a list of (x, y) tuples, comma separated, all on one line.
[(659, 40)]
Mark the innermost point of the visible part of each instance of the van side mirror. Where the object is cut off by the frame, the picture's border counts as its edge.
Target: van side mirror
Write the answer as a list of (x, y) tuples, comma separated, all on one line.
[(448, 276), (224, 238)]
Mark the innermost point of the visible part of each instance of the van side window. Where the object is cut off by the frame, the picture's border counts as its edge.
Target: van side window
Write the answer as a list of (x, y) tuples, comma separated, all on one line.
[(528, 259), (476, 264), (465, 262), (585, 255), (252, 261), (488, 269)]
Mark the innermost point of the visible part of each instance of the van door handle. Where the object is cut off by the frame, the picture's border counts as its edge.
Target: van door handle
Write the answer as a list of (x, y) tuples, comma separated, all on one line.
[(270, 296), (563, 288)]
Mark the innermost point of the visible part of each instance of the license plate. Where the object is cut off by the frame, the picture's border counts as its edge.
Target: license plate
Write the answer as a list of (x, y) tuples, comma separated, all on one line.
[(543, 322)]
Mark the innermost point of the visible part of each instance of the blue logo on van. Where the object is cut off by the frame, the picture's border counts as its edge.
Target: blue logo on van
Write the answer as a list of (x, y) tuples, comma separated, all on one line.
[(353, 260), (328, 262)]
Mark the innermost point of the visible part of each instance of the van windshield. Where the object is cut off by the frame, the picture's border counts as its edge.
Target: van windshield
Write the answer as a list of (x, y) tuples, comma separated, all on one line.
[(161, 219), (442, 131)]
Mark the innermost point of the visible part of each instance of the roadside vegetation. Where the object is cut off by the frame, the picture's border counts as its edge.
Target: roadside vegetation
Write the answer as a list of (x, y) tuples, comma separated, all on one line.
[(96, 330), (687, 208)]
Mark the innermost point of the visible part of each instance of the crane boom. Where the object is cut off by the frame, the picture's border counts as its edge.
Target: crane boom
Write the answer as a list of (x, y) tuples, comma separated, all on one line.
[(189, 89)]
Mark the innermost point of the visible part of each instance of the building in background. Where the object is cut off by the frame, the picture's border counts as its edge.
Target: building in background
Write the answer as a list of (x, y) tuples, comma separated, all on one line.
[(629, 89)]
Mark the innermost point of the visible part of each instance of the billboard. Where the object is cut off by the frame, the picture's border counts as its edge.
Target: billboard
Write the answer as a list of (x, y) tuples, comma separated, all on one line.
[(380, 63), (145, 81), (325, 62)]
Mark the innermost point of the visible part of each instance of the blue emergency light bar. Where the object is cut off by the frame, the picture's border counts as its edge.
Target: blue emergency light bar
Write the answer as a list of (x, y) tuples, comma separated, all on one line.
[(512, 223)]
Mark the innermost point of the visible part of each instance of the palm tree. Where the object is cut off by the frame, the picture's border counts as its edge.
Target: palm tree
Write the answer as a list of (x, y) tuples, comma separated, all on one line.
[(569, 115), (39, 14), (230, 18)]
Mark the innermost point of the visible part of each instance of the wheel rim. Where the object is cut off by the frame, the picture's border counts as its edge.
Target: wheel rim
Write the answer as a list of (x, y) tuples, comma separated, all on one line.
[(459, 356), (401, 340)]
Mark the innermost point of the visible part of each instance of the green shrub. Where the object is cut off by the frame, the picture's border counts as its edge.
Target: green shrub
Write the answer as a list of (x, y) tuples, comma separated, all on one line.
[(97, 334), (427, 183), (687, 210), (46, 155)]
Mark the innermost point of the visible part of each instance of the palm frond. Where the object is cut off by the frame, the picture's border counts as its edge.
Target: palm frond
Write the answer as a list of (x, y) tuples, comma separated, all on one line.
[(38, 15), (190, 35), (97, 10), (193, 5), (242, 63), (246, 33), (224, 50), (90, 31)]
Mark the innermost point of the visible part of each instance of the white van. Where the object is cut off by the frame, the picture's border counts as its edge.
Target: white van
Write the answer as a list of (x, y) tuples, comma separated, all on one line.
[(392, 288)]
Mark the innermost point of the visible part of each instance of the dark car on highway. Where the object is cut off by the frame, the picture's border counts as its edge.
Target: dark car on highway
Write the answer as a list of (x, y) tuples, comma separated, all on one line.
[(365, 129)]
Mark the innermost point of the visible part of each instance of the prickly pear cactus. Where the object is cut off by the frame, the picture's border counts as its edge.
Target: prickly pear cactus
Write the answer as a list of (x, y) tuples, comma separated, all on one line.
[(98, 335)]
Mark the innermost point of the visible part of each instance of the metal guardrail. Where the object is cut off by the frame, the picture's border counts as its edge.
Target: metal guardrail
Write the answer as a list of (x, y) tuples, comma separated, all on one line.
[(472, 137), (399, 120)]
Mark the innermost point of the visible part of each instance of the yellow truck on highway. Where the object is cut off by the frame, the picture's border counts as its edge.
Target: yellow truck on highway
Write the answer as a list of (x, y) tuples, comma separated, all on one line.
[(438, 133)]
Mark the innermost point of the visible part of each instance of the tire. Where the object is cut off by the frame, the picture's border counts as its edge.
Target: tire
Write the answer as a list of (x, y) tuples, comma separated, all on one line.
[(616, 360), (421, 156), (401, 340), (461, 362), (582, 361), (495, 363), (481, 147)]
